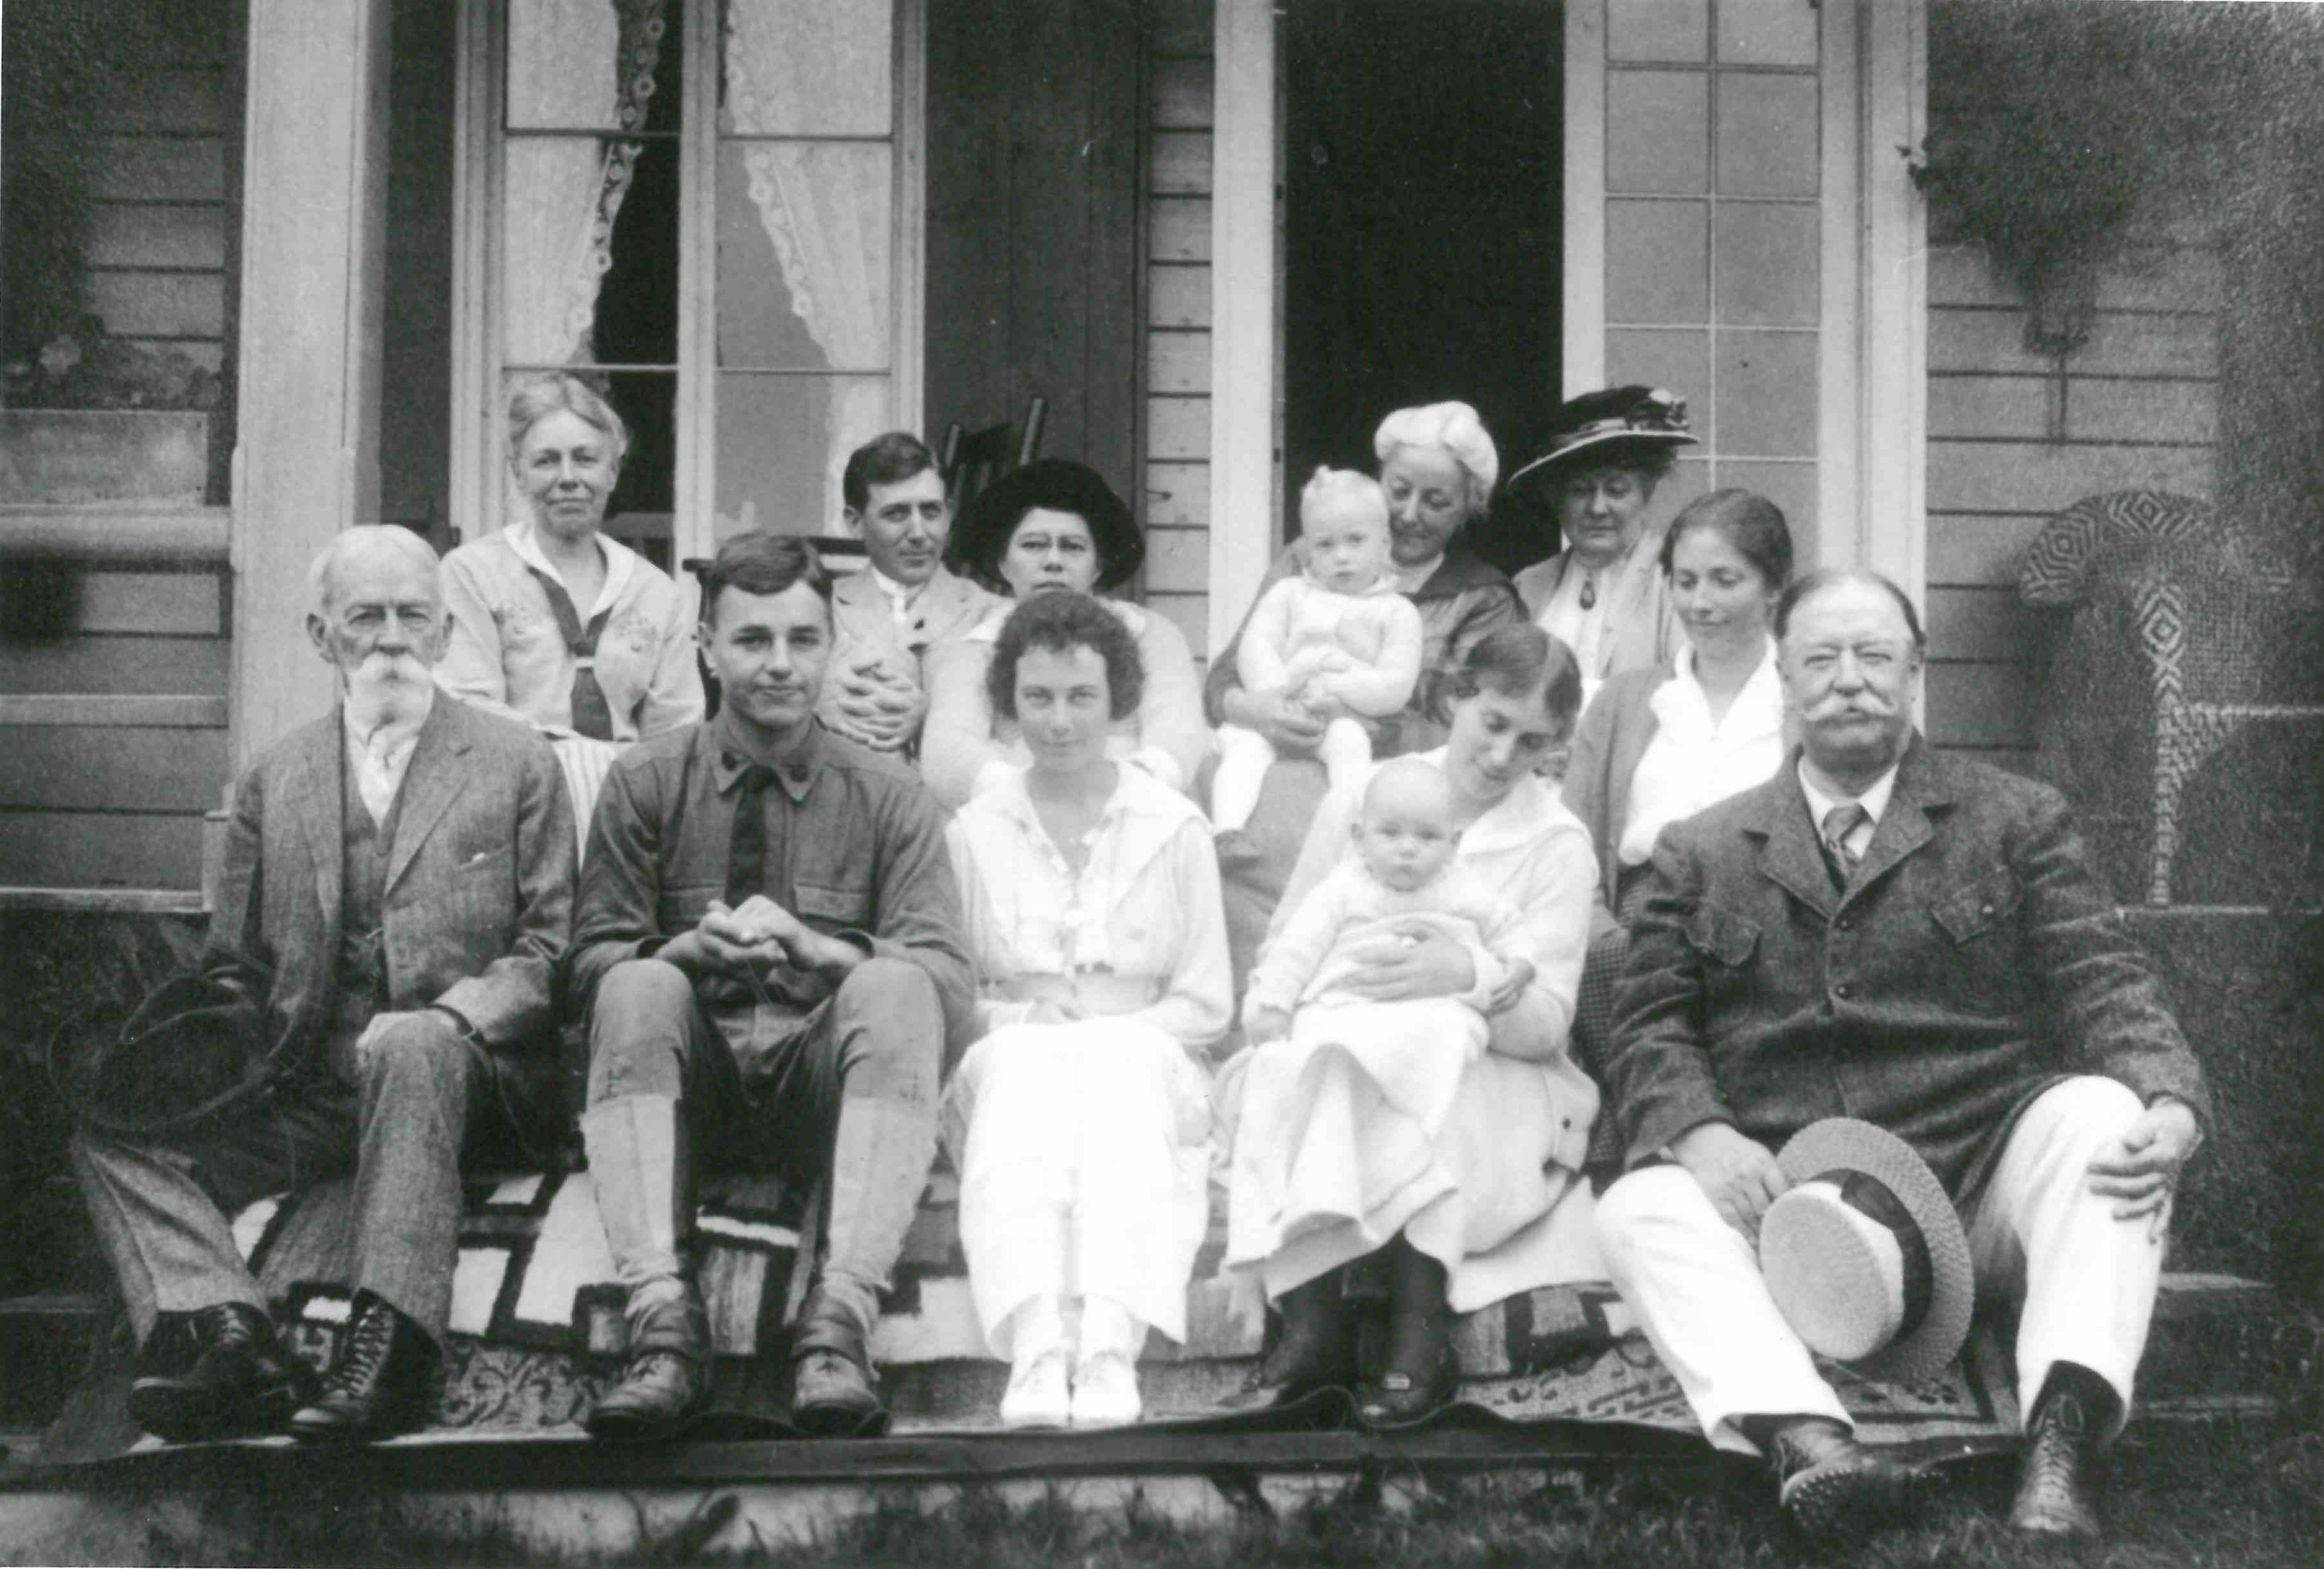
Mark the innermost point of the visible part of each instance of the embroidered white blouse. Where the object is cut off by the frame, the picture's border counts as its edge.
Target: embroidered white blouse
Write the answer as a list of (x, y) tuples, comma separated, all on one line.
[(1138, 933)]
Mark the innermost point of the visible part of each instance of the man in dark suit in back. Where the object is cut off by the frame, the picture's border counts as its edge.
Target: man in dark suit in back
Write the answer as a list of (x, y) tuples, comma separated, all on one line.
[(397, 893), (1882, 932)]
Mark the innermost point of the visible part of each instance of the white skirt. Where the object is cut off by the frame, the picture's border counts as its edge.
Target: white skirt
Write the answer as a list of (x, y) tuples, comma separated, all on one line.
[(1082, 1154), (1323, 1168)]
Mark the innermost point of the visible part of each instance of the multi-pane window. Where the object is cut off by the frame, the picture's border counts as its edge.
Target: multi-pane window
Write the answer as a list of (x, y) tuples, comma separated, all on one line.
[(706, 201), (1714, 214)]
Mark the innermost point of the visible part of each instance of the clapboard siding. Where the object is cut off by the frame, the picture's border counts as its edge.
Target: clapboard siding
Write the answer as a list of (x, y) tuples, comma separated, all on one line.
[(49, 850), (2015, 437), (115, 666), (77, 767), (1176, 505)]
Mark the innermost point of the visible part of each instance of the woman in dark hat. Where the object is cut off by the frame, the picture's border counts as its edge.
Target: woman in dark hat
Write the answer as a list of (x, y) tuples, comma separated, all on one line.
[(1049, 526), (1604, 596)]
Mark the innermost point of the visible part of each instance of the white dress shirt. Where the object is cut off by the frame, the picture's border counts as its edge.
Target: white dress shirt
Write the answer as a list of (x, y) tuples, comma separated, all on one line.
[(900, 597), (380, 756)]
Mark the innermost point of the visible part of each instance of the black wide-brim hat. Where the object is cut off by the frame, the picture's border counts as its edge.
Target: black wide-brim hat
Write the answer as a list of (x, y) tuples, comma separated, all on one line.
[(1608, 425), (1057, 484), (1865, 1254), (195, 1047)]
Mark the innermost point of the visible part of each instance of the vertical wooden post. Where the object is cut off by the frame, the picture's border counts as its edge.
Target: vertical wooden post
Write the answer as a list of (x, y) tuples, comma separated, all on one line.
[(1584, 276), (1242, 313), (307, 459)]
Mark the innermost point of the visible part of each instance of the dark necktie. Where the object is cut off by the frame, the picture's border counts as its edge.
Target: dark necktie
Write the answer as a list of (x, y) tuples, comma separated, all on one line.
[(1837, 823), (746, 851), (592, 715)]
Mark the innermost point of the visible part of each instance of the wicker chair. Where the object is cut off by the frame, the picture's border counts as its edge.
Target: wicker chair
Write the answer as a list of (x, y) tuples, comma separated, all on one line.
[(2171, 633)]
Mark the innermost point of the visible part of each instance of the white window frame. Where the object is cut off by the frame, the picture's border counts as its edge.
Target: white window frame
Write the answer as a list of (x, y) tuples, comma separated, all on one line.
[(478, 435)]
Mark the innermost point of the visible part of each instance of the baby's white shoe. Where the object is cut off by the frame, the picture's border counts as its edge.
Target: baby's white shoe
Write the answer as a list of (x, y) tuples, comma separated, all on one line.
[(1105, 1391), (1037, 1396)]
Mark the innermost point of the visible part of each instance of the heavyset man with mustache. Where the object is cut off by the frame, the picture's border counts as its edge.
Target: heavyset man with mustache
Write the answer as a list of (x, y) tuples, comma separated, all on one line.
[(398, 886), (768, 943), (1884, 933)]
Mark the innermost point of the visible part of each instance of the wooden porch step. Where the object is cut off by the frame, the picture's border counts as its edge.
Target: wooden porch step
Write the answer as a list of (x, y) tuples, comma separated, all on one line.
[(45, 1340)]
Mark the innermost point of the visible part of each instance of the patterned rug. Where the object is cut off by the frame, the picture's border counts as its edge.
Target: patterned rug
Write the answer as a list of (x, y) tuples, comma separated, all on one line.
[(537, 1330)]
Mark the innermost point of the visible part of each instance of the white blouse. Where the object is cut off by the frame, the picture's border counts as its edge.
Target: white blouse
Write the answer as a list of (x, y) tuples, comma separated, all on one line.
[(1139, 932), (1692, 764)]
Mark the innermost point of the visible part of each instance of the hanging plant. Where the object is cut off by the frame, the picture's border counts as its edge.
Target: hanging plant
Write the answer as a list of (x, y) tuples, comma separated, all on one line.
[(2061, 125)]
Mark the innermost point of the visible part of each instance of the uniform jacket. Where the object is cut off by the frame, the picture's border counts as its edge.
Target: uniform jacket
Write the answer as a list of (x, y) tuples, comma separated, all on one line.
[(855, 849), (479, 895), (950, 606), (1972, 961)]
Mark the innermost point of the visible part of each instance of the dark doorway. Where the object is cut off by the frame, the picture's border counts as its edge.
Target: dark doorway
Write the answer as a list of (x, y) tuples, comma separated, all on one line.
[(1423, 220)]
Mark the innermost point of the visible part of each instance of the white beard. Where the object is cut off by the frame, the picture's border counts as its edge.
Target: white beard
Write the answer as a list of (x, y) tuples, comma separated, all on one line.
[(388, 690)]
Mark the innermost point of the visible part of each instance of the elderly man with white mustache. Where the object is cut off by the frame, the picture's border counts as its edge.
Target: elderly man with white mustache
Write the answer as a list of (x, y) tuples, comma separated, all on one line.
[(1886, 933), (396, 898)]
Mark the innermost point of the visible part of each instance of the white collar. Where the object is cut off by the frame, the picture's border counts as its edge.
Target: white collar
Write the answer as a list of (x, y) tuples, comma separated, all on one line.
[(1146, 811), (1757, 708), (1875, 800), (621, 563), (898, 596)]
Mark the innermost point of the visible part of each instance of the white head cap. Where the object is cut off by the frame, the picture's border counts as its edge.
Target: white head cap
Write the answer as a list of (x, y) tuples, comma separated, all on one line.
[(1452, 426)]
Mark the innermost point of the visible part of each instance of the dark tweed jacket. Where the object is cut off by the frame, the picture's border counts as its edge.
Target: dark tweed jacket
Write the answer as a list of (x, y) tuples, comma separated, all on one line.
[(1972, 962)]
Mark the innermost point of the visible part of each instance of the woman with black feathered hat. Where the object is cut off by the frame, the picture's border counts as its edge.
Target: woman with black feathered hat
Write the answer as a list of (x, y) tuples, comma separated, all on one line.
[(1054, 525), (1604, 596)]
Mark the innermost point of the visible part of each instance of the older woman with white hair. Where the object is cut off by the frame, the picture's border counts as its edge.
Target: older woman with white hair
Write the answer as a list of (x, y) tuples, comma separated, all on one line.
[(1437, 466), (553, 622)]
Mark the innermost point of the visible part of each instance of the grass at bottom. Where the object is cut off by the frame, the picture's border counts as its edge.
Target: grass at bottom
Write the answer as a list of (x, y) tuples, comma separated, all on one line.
[(2187, 1499)]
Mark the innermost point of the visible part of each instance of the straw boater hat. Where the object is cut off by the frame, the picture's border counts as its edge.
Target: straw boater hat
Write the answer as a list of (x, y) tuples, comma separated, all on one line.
[(1057, 484), (1865, 1254), (1636, 417)]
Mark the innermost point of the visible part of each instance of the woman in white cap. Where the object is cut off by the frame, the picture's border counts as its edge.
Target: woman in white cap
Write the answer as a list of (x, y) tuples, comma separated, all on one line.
[(1437, 467), (1605, 596)]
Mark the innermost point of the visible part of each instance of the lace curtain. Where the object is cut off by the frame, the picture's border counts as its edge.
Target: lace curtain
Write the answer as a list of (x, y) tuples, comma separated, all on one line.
[(825, 205), (573, 65)]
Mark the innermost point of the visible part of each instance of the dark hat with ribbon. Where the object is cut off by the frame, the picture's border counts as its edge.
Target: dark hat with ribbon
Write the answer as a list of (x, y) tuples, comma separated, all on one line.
[(1634, 417), (1865, 1254), (1055, 484), (195, 1046)]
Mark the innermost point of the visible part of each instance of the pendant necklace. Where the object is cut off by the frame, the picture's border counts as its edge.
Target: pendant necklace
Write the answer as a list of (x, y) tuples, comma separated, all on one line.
[(1588, 590)]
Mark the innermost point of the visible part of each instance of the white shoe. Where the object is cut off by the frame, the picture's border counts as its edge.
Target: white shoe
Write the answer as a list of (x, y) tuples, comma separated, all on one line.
[(1037, 1396), (1105, 1391)]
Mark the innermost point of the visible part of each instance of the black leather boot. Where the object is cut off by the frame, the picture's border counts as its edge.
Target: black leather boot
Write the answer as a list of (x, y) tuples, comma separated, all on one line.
[(1314, 1350), (2053, 1492), (382, 1383), (221, 1373), (1833, 1488), (1422, 1374), (834, 1393), (668, 1379)]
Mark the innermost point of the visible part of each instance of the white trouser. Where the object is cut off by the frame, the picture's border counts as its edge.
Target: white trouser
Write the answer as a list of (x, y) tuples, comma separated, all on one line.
[(2085, 1280), (1246, 755)]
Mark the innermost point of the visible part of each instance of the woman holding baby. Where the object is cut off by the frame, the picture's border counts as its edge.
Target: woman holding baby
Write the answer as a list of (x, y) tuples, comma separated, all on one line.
[(1465, 1170), (1079, 1121)]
